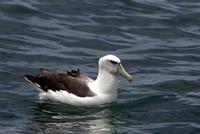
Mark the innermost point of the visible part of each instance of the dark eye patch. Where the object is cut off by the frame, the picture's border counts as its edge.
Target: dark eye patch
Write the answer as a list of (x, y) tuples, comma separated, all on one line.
[(113, 62)]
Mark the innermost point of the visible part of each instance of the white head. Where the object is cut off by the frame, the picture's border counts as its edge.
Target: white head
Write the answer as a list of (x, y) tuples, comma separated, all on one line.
[(112, 64), (106, 84)]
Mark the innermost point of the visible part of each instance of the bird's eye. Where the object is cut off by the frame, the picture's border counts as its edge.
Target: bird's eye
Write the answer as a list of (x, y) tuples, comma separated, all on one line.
[(113, 62)]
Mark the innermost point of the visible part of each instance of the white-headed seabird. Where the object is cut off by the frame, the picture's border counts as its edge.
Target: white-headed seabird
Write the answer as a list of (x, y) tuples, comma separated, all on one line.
[(76, 88)]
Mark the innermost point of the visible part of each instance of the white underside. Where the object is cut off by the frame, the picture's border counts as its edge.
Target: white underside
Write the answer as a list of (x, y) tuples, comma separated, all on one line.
[(68, 98)]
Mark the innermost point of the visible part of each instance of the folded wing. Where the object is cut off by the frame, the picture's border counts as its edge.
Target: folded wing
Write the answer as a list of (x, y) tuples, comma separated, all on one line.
[(73, 82)]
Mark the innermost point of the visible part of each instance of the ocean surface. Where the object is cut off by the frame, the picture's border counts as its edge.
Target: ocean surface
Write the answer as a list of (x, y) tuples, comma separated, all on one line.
[(158, 42)]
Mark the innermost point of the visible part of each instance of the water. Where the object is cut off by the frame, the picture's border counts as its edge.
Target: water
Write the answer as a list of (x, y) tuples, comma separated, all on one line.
[(157, 40)]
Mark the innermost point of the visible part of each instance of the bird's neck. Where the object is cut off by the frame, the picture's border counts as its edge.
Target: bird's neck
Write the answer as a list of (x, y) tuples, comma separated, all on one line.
[(105, 83)]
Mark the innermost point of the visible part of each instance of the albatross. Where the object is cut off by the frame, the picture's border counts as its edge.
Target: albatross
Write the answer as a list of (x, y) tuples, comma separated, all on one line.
[(76, 88)]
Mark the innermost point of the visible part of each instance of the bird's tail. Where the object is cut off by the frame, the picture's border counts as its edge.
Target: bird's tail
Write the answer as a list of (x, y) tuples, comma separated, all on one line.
[(32, 80), (29, 78)]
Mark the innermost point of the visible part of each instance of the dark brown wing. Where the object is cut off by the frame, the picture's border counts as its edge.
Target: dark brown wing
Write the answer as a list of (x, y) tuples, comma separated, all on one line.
[(80, 76), (72, 82)]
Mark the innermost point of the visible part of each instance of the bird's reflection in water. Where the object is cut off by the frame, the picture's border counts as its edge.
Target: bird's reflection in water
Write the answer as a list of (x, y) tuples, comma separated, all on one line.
[(84, 120)]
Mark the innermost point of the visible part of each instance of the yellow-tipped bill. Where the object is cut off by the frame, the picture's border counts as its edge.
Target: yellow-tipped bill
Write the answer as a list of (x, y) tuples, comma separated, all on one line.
[(123, 72)]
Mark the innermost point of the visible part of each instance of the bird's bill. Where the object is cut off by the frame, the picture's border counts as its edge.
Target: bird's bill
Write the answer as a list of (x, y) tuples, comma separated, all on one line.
[(123, 72)]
